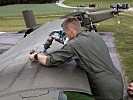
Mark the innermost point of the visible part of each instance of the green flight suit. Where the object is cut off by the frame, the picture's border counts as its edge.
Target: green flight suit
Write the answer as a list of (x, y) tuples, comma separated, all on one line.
[(91, 54)]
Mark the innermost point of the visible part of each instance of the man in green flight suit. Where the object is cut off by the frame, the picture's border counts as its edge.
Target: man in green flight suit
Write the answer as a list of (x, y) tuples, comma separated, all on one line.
[(91, 53)]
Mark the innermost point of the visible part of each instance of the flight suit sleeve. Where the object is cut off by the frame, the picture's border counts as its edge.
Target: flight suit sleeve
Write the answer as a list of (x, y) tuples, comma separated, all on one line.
[(62, 55)]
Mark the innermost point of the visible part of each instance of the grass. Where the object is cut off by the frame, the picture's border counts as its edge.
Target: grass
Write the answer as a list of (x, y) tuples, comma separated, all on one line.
[(39, 10), (78, 96), (11, 24), (15, 24), (11, 17)]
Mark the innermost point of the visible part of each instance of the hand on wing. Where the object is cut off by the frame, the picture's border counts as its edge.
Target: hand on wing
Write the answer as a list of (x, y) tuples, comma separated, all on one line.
[(38, 57), (31, 57)]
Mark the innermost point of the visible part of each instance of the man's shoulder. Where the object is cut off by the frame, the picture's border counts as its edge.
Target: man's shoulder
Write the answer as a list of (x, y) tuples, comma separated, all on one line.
[(71, 42), (87, 32)]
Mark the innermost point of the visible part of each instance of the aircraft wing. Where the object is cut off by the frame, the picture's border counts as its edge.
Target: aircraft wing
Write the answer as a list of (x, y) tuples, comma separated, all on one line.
[(102, 15), (88, 18), (23, 79)]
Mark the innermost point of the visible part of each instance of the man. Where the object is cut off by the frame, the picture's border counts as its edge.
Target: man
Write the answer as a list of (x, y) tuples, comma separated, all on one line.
[(91, 53), (130, 90)]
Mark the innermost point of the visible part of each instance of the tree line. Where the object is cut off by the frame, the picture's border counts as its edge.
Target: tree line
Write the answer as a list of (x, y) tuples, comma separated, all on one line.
[(9, 2)]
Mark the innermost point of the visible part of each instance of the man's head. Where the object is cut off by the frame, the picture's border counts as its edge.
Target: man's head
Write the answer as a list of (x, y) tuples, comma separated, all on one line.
[(130, 89), (71, 27)]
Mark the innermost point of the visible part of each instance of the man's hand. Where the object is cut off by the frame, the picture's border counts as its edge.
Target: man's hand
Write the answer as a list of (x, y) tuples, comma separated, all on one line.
[(41, 58), (31, 57)]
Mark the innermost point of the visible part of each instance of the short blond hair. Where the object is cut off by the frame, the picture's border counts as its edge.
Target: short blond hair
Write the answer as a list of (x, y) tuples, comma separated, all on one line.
[(72, 22)]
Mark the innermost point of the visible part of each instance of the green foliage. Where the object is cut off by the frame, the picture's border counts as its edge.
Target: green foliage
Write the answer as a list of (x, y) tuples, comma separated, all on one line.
[(11, 24), (78, 96), (14, 24)]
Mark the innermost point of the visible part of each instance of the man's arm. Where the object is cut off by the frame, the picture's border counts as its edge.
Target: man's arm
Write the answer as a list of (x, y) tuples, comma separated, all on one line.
[(55, 58), (41, 58)]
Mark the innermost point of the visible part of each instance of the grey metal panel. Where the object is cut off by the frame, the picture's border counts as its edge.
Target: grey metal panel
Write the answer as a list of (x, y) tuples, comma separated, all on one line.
[(101, 15), (18, 74), (51, 95), (29, 18), (33, 95), (11, 97)]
